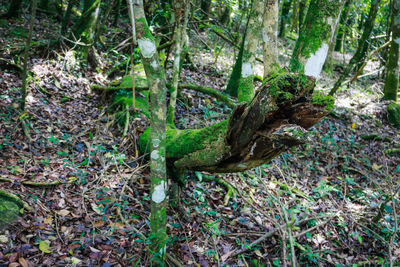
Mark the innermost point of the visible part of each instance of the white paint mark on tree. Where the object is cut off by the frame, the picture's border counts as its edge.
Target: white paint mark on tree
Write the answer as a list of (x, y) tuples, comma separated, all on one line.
[(147, 47), (247, 69), (315, 62), (156, 142), (397, 41), (154, 64), (158, 195), (154, 154)]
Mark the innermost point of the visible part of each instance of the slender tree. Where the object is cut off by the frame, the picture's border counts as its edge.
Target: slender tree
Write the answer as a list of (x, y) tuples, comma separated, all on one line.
[(284, 17), (84, 29), (270, 36), (392, 67), (26, 56), (342, 25), (315, 36), (67, 16), (158, 90), (362, 47), (13, 9), (181, 13), (302, 11), (253, 34)]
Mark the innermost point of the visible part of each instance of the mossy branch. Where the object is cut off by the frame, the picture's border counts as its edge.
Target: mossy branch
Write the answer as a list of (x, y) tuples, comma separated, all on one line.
[(205, 90), (15, 199)]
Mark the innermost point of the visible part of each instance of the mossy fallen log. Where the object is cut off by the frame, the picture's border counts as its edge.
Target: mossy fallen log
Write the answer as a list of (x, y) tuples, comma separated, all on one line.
[(275, 120)]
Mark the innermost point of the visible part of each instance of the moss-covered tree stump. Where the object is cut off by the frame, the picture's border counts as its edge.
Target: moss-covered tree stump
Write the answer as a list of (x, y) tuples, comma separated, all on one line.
[(393, 114), (256, 132)]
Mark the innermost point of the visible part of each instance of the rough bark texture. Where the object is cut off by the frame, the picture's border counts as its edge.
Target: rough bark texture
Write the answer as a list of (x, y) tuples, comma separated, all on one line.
[(253, 36), (317, 32), (392, 66), (158, 90), (363, 44), (275, 120), (270, 36)]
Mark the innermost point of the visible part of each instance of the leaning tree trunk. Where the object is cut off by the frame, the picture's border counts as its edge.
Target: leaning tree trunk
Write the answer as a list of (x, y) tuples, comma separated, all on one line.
[(363, 44), (315, 36), (270, 36), (158, 92), (85, 29), (275, 120), (392, 66)]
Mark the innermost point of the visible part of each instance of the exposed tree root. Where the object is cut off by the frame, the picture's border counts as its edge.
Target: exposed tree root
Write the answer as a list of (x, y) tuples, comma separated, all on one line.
[(230, 189), (15, 199)]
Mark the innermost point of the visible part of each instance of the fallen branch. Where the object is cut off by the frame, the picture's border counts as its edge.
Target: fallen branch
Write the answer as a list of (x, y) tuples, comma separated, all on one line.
[(205, 90), (376, 137), (32, 183), (236, 252)]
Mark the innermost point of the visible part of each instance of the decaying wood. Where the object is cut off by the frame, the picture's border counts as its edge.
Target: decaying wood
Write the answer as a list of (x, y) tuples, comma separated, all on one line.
[(275, 120)]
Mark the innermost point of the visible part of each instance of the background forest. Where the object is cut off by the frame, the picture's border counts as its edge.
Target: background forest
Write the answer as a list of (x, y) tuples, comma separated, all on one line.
[(199, 133)]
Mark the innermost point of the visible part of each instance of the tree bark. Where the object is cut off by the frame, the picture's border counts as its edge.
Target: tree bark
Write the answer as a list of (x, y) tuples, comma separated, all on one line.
[(275, 120), (26, 56), (363, 45), (181, 13), (246, 87), (14, 9), (284, 17), (67, 16), (315, 36), (392, 67), (342, 25), (158, 91), (270, 36)]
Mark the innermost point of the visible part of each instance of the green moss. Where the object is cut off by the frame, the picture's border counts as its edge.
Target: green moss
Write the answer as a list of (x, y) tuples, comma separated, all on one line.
[(246, 89), (323, 100), (183, 142), (393, 114), (145, 32), (8, 212)]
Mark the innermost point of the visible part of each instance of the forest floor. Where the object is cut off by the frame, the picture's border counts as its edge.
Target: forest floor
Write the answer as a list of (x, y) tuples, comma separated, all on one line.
[(316, 202)]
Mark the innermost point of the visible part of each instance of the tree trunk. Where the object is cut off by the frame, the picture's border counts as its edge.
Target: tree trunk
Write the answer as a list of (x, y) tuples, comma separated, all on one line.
[(14, 9), (295, 16), (363, 45), (284, 17), (342, 25), (226, 16), (315, 36), (302, 12), (392, 66), (26, 56), (181, 13), (253, 35), (274, 121), (158, 91), (67, 16), (328, 65), (85, 29), (205, 7), (270, 36)]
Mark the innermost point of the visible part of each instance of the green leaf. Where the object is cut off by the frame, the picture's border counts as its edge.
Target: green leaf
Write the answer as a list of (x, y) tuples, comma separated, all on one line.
[(44, 246)]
